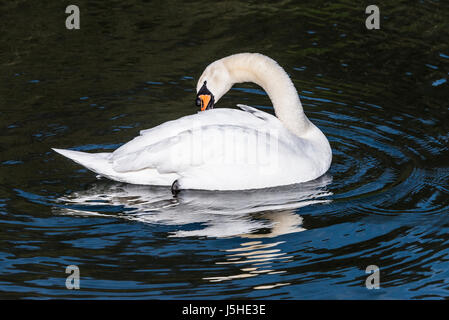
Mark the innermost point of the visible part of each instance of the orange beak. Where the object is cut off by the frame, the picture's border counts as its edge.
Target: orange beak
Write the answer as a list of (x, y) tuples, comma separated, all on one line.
[(205, 99)]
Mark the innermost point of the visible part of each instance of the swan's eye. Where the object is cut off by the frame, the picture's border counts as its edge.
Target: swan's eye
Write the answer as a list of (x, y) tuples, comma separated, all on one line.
[(198, 102)]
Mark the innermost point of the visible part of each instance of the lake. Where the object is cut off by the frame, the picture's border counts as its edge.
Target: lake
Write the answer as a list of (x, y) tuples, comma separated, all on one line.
[(380, 96)]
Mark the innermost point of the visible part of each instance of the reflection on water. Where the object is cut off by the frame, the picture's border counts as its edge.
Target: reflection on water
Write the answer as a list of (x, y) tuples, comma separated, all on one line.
[(255, 257), (251, 213)]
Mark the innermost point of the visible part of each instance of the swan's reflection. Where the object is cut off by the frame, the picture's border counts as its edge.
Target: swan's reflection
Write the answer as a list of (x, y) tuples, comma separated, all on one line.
[(256, 216), (221, 214)]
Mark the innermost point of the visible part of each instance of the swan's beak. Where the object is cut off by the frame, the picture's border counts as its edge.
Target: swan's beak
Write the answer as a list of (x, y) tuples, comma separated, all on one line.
[(206, 102), (205, 98)]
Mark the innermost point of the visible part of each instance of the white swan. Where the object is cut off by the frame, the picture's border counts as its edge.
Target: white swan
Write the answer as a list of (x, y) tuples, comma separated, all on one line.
[(224, 149)]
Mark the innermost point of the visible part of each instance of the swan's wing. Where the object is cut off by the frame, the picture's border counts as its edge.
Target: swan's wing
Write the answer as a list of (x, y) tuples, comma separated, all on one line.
[(222, 116), (214, 145), (159, 133), (258, 113)]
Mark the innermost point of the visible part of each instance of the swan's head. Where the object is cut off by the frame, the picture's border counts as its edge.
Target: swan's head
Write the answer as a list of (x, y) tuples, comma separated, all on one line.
[(212, 85), (204, 98)]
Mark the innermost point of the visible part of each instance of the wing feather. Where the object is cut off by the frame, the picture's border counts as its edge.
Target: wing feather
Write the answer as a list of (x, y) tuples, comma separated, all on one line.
[(208, 145)]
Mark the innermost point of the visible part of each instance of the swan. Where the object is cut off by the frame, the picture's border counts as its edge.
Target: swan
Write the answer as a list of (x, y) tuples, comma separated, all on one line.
[(223, 149)]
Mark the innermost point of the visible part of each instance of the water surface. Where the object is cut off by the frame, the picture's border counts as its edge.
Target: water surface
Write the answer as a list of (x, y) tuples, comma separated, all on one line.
[(380, 96)]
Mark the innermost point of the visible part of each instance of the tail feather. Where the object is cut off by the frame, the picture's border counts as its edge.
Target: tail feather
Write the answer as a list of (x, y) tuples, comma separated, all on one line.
[(100, 164), (96, 162)]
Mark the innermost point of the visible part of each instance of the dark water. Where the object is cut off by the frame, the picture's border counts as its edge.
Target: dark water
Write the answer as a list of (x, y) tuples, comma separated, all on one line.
[(380, 96)]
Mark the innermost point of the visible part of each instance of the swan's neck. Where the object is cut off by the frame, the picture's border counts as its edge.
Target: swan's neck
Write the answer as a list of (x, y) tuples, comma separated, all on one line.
[(274, 80)]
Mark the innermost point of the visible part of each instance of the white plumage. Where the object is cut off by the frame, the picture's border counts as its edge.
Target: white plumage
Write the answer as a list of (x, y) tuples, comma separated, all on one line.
[(224, 149)]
